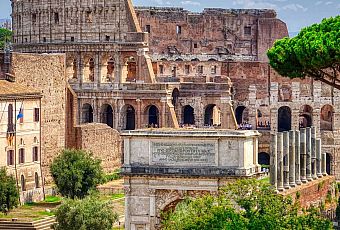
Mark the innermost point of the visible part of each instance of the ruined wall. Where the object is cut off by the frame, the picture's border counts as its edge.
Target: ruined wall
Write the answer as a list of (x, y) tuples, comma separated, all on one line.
[(103, 141), (47, 74), (214, 31)]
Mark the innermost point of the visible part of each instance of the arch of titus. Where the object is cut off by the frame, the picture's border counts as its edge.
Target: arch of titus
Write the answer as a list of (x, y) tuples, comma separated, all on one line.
[(162, 167)]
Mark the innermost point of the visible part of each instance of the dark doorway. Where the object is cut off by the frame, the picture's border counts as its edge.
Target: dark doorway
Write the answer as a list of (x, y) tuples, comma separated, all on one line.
[(189, 116), (175, 96), (284, 119), (153, 116), (328, 163), (130, 118), (212, 115), (107, 115), (239, 114), (87, 113), (264, 158), (306, 113)]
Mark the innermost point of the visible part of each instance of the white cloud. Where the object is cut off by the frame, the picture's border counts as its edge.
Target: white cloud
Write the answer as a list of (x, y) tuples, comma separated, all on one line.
[(328, 3), (161, 2), (318, 3), (256, 4), (295, 7), (192, 3)]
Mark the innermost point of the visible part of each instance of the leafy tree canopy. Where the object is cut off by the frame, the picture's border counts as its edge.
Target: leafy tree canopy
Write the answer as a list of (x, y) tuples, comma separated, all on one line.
[(314, 52), (87, 214), (5, 36), (76, 173), (245, 204), (9, 195)]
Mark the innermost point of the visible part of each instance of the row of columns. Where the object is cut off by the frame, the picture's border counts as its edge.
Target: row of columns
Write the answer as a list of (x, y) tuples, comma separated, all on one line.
[(296, 158)]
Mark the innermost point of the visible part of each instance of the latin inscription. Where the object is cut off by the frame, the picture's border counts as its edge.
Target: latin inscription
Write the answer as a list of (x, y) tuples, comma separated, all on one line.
[(183, 153)]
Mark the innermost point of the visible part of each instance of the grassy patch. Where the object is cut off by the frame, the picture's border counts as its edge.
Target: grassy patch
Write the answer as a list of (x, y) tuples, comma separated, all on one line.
[(117, 196), (52, 199)]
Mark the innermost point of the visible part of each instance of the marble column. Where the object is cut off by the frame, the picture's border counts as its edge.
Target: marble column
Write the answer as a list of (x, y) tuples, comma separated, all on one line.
[(314, 176), (280, 162), (308, 154), (318, 158), (323, 164), (292, 158), (297, 158), (286, 160), (273, 160), (303, 155)]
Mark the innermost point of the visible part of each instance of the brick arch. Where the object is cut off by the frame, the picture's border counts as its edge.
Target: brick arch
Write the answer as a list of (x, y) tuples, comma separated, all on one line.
[(306, 116), (151, 115), (212, 115), (327, 118), (128, 117), (107, 114), (87, 113)]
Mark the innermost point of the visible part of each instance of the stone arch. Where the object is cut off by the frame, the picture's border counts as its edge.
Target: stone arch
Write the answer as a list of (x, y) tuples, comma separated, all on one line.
[(264, 158), (326, 118), (131, 69), (195, 59), (242, 114), (306, 116), (188, 115), (72, 68), (129, 118), (106, 115), (89, 70), (329, 160), (175, 96), (87, 113), (152, 115), (284, 119), (179, 59), (212, 115), (110, 76)]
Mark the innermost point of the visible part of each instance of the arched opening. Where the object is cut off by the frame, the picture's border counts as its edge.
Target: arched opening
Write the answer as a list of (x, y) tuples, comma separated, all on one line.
[(241, 114), (326, 118), (284, 119), (107, 115), (306, 116), (212, 116), (87, 112), (328, 163), (131, 69), (130, 118), (189, 116), (36, 180), (23, 183), (175, 96), (264, 159), (110, 69), (153, 116), (89, 70)]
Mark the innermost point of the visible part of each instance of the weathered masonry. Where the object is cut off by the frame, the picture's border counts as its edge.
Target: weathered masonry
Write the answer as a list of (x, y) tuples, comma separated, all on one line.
[(161, 167)]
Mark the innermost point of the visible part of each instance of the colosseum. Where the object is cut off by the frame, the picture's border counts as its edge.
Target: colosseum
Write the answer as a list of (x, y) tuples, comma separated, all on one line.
[(140, 67)]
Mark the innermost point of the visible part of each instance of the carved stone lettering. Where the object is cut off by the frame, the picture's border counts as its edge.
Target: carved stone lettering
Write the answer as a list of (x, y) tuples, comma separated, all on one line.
[(196, 153)]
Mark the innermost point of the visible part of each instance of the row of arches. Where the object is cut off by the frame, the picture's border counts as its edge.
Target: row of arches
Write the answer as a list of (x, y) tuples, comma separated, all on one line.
[(23, 182), (284, 117), (212, 115)]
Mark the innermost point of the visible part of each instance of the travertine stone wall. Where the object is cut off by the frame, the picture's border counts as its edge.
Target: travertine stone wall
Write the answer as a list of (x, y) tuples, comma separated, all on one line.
[(226, 33), (46, 73), (103, 141)]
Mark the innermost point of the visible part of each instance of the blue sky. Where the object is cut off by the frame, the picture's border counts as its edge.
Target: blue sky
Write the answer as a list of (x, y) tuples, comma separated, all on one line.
[(296, 13)]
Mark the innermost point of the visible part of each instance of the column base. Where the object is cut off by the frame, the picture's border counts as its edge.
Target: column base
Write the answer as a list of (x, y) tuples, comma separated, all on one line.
[(309, 178), (280, 189), (304, 180), (315, 177), (319, 175), (292, 185), (298, 182), (324, 174), (286, 186)]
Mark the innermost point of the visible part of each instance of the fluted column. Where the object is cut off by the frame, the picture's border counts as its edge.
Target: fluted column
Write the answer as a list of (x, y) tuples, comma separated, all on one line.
[(318, 158), (314, 176), (303, 155), (297, 158), (292, 158), (308, 154), (286, 160), (273, 160), (280, 162), (323, 164)]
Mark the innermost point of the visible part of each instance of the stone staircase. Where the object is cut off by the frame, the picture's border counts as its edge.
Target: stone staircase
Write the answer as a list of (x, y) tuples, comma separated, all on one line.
[(44, 224)]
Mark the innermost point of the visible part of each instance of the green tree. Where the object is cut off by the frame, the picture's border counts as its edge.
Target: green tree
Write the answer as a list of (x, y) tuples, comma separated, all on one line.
[(314, 52), (5, 36), (9, 195), (87, 214), (76, 173), (245, 204)]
